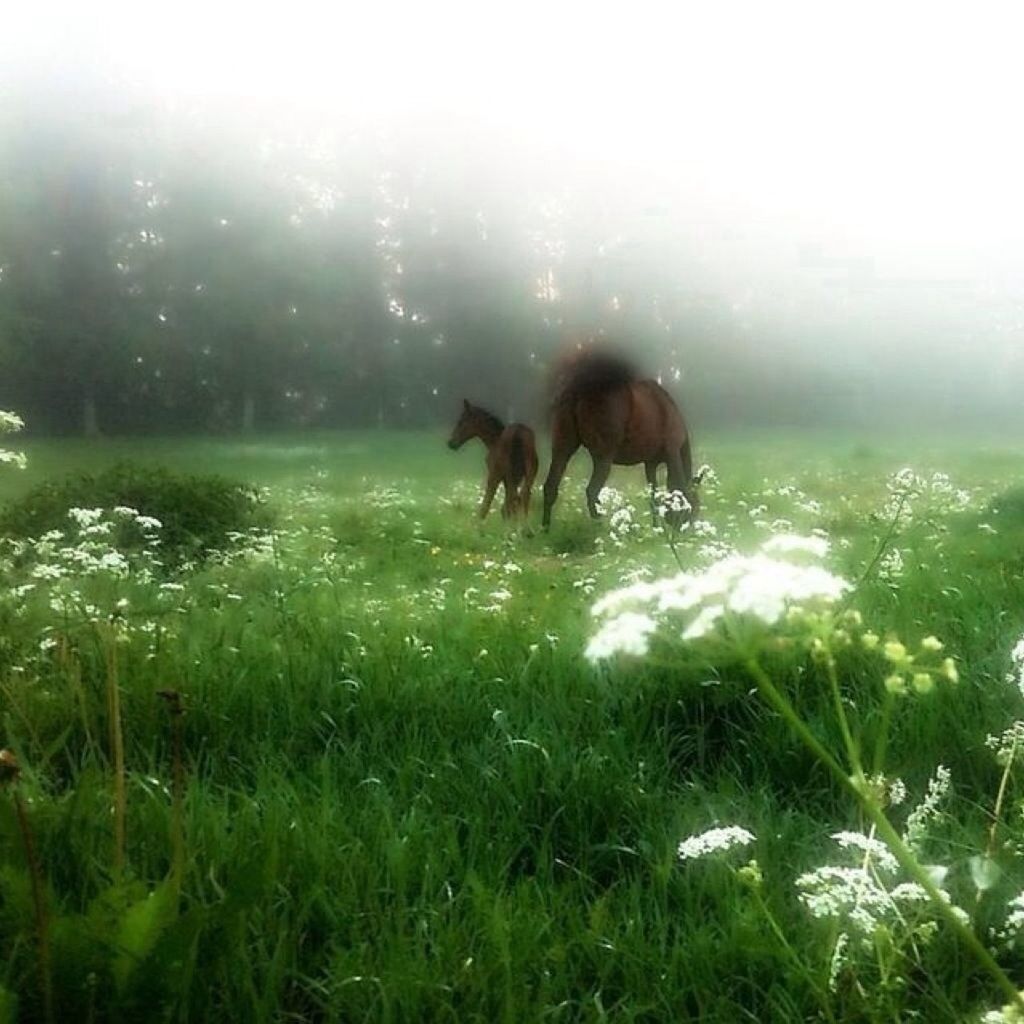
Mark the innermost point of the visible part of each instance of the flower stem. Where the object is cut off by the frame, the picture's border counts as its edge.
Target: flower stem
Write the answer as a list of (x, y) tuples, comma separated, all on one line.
[(800, 965), (851, 747), (903, 854), (883, 543), (883, 735)]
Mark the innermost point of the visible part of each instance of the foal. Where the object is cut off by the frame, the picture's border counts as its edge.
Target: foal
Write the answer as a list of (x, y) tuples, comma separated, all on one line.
[(511, 457)]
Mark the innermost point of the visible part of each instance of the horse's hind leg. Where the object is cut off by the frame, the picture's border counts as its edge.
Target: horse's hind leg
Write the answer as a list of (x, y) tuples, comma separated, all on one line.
[(651, 469), (679, 479), (598, 478)]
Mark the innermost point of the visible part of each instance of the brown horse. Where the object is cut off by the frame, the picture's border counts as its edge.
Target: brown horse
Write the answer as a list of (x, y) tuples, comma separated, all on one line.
[(600, 404), (511, 457)]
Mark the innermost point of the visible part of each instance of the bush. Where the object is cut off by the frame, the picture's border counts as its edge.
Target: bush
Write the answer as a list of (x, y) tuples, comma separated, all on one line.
[(197, 513)]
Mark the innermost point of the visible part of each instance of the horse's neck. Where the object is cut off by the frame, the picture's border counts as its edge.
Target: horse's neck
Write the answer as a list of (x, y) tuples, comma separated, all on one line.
[(489, 434)]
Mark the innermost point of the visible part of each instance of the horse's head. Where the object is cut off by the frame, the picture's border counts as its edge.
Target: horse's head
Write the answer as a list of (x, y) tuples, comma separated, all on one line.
[(466, 428)]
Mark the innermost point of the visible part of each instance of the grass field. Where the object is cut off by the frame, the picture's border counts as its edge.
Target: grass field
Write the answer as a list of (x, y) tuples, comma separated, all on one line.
[(400, 792)]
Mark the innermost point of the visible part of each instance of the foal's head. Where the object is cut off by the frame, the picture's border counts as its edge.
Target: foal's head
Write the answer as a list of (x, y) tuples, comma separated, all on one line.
[(474, 422)]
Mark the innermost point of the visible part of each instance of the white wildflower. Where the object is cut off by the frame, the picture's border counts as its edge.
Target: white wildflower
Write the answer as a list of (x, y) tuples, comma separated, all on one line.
[(1014, 923), (838, 960), (715, 840), (1017, 658), (928, 810), (1008, 743), (759, 586), (875, 848), (626, 633), (85, 516), (10, 422)]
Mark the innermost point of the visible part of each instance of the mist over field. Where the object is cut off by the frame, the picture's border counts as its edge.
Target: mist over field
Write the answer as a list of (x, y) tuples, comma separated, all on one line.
[(330, 694), (257, 220)]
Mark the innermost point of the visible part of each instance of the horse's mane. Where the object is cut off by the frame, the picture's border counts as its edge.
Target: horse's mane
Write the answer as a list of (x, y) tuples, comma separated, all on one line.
[(589, 372), (489, 418)]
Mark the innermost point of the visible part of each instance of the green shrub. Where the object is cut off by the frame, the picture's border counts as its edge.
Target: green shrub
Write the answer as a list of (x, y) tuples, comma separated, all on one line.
[(197, 513)]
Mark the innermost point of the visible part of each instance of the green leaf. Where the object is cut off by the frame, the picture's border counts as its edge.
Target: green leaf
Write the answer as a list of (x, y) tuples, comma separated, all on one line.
[(140, 928)]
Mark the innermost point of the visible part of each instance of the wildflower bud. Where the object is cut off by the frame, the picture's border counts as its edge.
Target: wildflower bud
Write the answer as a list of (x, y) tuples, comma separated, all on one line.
[(819, 652), (895, 651), (931, 643), (896, 683), (854, 618), (750, 874), (9, 767), (949, 670), (870, 641), (841, 637), (923, 682)]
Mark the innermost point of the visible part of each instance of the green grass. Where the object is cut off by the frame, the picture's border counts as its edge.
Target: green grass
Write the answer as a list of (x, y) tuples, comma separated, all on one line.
[(403, 806)]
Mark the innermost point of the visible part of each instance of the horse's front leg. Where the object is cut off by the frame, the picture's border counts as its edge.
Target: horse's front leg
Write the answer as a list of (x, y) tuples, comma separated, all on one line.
[(651, 469), (485, 505), (559, 460), (598, 478)]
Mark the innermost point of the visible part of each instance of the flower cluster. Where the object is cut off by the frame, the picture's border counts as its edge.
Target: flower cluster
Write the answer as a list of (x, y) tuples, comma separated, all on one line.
[(760, 587), (715, 840), (868, 896), (1016, 676), (918, 671), (11, 423)]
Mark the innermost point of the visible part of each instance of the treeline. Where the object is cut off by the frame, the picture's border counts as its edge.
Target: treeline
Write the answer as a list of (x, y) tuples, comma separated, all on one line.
[(163, 268)]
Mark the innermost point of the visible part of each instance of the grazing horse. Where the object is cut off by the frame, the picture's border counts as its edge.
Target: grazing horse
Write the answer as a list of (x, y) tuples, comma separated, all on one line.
[(511, 457), (600, 404)]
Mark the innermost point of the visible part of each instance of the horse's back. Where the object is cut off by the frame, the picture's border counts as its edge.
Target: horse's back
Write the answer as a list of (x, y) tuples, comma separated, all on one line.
[(636, 422)]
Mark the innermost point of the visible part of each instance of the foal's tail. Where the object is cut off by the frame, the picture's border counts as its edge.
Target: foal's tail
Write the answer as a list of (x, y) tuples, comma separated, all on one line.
[(517, 457)]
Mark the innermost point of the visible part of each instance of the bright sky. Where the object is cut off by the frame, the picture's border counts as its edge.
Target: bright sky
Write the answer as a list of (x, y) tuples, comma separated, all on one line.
[(890, 130)]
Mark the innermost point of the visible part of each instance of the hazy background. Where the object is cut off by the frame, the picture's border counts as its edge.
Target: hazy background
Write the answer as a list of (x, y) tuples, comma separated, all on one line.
[(219, 218)]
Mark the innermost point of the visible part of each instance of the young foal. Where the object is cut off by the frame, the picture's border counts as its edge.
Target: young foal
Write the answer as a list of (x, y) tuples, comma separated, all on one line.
[(511, 457)]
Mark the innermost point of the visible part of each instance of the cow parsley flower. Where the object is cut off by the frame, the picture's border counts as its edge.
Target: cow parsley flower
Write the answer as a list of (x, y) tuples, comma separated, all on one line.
[(714, 840), (874, 848), (928, 810), (627, 633), (761, 587)]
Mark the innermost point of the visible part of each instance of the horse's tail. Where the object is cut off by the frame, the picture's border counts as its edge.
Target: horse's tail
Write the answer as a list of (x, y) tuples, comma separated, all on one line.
[(590, 373)]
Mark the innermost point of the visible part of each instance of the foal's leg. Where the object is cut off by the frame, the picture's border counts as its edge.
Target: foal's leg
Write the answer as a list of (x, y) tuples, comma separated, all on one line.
[(508, 508), (598, 478), (651, 469), (560, 457), (485, 505)]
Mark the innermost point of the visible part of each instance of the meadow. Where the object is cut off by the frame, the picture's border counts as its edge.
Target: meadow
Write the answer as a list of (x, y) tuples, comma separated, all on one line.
[(358, 767)]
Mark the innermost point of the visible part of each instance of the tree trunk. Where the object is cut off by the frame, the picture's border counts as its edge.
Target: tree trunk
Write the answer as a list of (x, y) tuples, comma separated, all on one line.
[(248, 413), (90, 422)]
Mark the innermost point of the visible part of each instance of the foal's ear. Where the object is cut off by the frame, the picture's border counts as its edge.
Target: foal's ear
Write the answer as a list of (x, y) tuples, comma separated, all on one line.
[(465, 405)]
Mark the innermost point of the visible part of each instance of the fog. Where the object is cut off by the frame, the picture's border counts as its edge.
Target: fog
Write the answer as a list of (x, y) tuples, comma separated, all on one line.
[(308, 216)]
